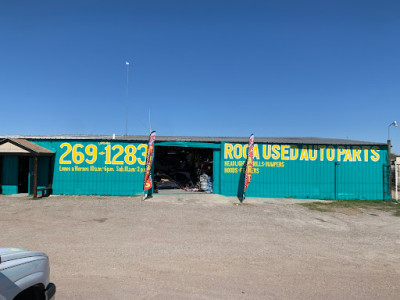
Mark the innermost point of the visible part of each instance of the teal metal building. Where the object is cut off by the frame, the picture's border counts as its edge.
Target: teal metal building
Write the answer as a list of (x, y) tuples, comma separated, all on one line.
[(306, 168)]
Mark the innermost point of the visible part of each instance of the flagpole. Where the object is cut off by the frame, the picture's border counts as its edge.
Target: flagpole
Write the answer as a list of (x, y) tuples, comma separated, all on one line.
[(127, 81)]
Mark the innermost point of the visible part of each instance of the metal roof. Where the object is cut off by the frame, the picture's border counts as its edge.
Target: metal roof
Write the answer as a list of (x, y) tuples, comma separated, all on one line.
[(24, 146), (206, 139)]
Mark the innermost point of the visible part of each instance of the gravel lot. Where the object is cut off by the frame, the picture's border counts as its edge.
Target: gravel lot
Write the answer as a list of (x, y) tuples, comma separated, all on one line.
[(180, 246)]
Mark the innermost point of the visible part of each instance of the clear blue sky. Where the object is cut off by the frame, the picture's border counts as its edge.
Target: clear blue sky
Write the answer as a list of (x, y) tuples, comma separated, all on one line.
[(203, 67)]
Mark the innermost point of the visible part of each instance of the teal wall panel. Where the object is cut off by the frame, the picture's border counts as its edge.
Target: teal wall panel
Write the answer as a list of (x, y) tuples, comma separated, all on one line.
[(10, 175), (92, 167), (217, 171), (43, 171), (307, 171)]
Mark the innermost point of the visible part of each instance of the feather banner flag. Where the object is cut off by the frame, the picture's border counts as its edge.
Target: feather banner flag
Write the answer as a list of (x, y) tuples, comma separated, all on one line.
[(249, 164), (148, 183)]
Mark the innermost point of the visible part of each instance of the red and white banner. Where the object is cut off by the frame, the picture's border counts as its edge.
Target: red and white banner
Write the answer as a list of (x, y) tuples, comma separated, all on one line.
[(249, 164), (148, 182)]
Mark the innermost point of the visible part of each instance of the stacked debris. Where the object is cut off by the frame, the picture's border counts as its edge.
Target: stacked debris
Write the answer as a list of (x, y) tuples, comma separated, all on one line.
[(188, 169)]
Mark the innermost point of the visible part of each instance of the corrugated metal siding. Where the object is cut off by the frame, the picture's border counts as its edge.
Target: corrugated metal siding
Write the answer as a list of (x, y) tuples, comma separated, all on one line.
[(206, 139), (43, 171), (97, 178), (10, 175), (314, 179), (272, 177), (216, 171)]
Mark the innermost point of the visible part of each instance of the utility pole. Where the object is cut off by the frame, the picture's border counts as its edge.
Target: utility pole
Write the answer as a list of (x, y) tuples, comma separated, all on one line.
[(394, 123)]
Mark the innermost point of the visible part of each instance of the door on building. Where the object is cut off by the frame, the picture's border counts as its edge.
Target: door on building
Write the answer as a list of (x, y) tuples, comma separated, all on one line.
[(23, 174)]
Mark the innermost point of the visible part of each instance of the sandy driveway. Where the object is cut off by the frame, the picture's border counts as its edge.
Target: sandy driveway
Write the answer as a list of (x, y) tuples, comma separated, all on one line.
[(205, 247)]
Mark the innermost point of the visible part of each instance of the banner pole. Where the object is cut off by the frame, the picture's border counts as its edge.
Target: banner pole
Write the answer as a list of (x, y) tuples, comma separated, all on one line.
[(148, 182), (249, 166)]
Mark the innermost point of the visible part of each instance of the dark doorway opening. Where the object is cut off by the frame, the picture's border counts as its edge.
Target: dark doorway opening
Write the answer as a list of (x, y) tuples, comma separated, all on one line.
[(23, 174), (189, 169)]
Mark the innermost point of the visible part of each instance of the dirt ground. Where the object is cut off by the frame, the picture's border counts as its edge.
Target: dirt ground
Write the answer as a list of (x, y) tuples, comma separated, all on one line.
[(181, 246)]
